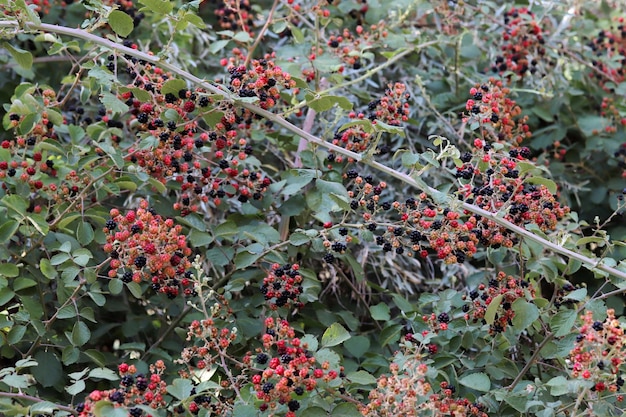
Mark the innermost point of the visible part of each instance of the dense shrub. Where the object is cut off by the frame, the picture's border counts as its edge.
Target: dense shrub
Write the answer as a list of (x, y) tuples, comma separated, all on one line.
[(312, 208)]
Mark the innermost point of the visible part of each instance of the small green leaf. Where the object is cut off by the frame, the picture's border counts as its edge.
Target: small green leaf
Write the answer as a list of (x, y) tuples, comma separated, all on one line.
[(23, 58), (80, 334), (299, 239), (180, 388), (492, 309), (115, 286), (105, 408), (157, 6), (113, 104), (49, 372), (345, 409), (46, 269), (6, 295), (357, 346), (244, 410), (549, 184), (577, 295), (9, 270), (7, 230), (76, 388), (135, 289), (563, 322), (84, 233), (525, 314), (380, 312), (121, 23), (335, 335), (173, 86), (478, 381), (361, 377), (104, 373)]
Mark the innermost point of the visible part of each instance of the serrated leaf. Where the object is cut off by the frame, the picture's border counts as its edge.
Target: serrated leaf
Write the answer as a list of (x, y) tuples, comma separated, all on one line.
[(335, 335), (244, 410), (49, 371), (80, 334), (23, 58), (492, 309), (158, 6), (104, 373), (380, 312), (525, 314), (549, 184), (478, 381), (173, 86), (76, 388), (106, 409), (577, 295), (345, 409), (9, 270), (180, 388), (113, 104), (562, 323), (121, 23), (357, 346), (299, 239), (84, 233), (361, 377), (7, 230), (44, 407)]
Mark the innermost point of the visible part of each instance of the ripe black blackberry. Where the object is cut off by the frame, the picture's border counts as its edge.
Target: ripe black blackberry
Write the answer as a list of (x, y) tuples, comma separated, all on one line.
[(293, 405), (443, 318), (110, 225), (329, 258), (267, 387), (127, 277), (140, 261), (343, 231), (261, 358)]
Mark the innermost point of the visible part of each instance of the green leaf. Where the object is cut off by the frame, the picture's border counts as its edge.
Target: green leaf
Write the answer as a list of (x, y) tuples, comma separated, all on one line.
[(525, 314), (478, 381), (44, 407), (76, 388), (327, 355), (577, 295), (49, 372), (105, 408), (335, 335), (113, 104), (6, 295), (104, 373), (23, 283), (244, 410), (314, 412), (492, 309), (135, 289), (157, 6), (390, 334), (345, 409), (380, 312), (563, 322), (46, 268), (549, 184), (180, 388), (9, 270), (23, 58), (121, 23), (115, 286), (7, 230), (16, 381), (80, 334), (558, 386), (299, 239), (357, 346), (328, 102), (361, 377), (84, 233), (174, 85)]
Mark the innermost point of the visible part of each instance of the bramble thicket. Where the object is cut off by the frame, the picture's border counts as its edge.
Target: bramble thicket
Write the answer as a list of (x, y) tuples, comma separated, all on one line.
[(312, 208)]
